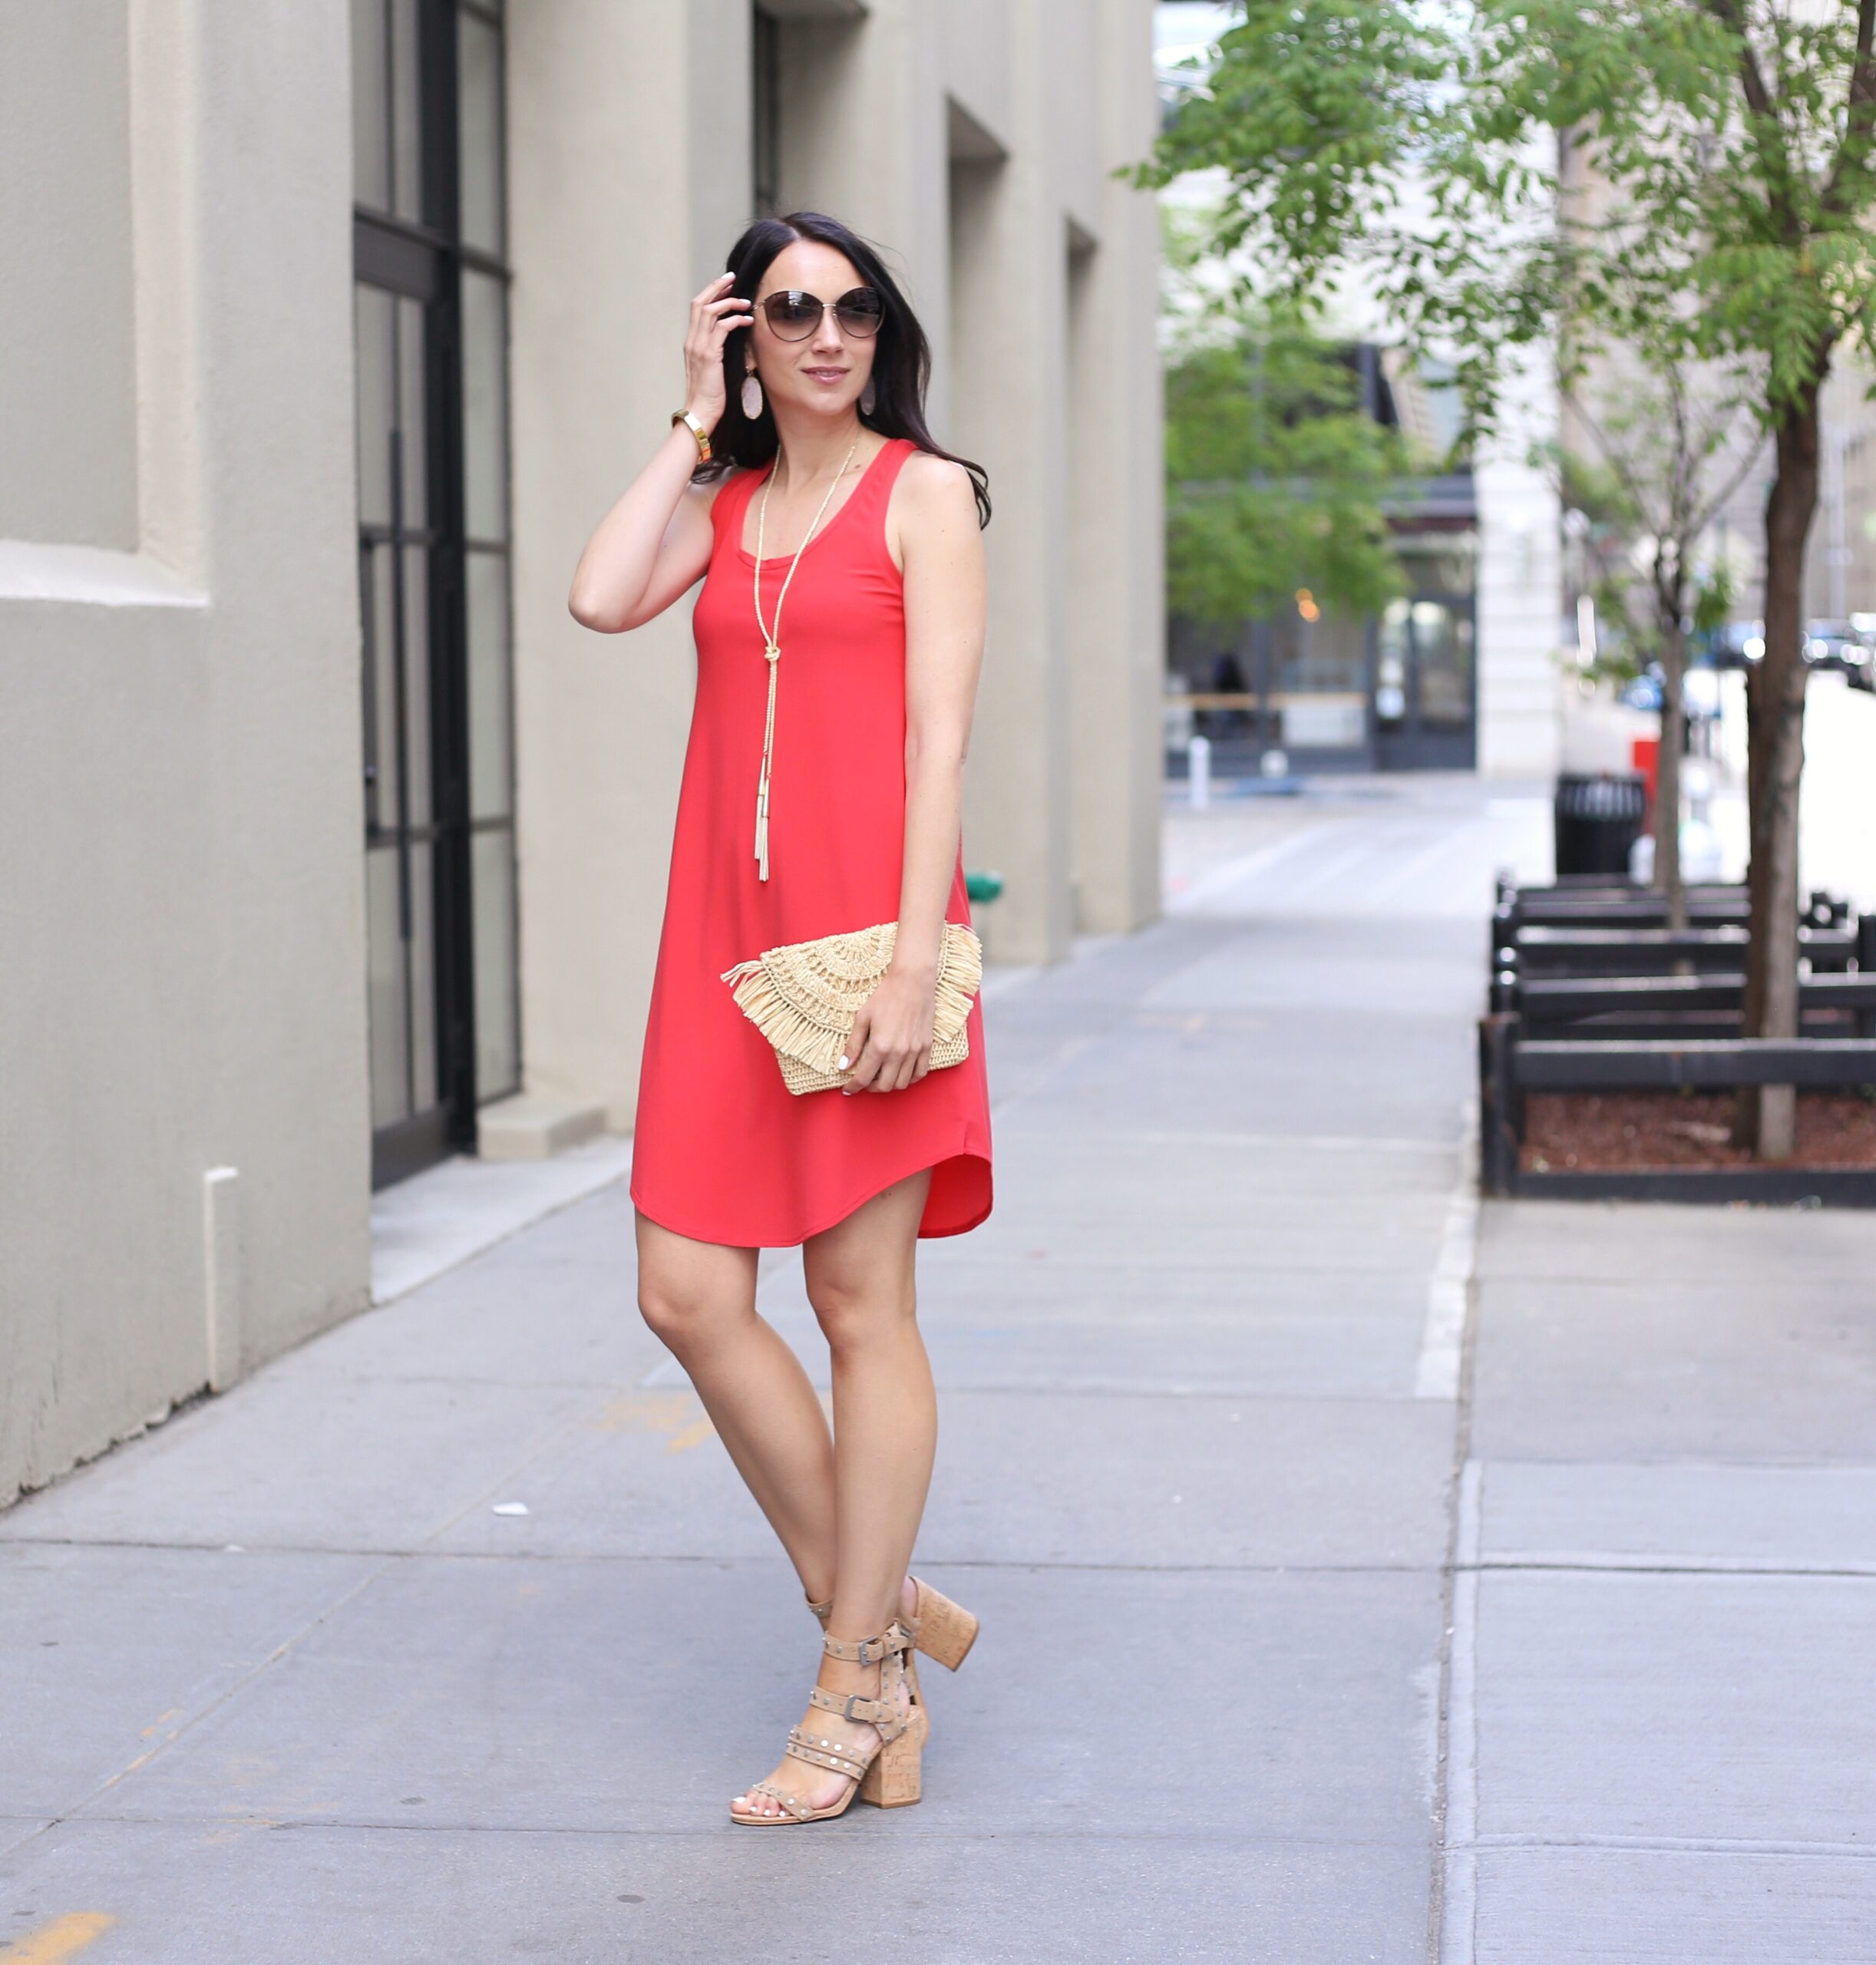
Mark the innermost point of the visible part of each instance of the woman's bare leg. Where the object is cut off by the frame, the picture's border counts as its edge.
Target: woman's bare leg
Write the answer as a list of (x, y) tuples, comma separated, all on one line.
[(860, 1277), (699, 1297)]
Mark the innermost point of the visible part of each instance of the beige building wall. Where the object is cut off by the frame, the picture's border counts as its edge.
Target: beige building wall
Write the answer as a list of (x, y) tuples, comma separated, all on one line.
[(184, 1140), (1520, 636), (185, 1156), (972, 141), (1840, 558)]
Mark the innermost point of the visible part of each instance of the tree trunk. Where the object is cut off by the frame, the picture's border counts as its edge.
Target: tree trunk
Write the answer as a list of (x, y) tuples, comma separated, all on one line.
[(1670, 601), (1775, 722)]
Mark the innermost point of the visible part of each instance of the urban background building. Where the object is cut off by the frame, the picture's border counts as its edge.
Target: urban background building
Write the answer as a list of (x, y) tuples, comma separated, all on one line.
[(333, 845), (1462, 672)]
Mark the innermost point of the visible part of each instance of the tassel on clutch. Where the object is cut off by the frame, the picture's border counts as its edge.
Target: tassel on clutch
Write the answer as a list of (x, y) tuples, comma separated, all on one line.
[(804, 997)]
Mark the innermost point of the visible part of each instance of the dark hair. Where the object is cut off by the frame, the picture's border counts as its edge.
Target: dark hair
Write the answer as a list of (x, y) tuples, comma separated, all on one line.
[(902, 358)]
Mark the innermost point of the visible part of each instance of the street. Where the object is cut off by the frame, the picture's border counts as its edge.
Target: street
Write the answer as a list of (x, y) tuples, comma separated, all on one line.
[(1837, 803), (1366, 1578)]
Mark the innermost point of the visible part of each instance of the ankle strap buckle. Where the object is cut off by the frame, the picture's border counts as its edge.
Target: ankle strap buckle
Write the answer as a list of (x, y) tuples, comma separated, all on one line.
[(847, 1712), (865, 1650)]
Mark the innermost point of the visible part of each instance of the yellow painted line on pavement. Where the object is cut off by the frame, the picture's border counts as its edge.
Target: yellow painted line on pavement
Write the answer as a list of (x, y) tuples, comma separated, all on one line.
[(672, 1412), (647, 1412), (65, 1938)]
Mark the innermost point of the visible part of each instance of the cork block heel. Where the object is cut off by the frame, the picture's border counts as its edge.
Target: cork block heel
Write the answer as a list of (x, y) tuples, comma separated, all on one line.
[(893, 1780), (947, 1630)]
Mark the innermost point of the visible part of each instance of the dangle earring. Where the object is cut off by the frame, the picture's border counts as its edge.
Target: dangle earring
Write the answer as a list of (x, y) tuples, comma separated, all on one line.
[(867, 398), (751, 394)]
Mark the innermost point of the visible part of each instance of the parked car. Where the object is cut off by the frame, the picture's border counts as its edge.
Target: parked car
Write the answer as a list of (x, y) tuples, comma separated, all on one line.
[(1863, 677), (1738, 644), (1700, 693), (1645, 691), (1847, 647), (1837, 645)]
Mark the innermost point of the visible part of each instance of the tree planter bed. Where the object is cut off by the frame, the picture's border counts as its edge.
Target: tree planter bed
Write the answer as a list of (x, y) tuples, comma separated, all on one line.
[(1516, 1069), (1612, 1050), (1624, 1132)]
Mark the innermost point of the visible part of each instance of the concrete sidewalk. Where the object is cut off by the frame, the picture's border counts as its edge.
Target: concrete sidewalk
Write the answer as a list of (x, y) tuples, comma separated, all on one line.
[(1337, 1606)]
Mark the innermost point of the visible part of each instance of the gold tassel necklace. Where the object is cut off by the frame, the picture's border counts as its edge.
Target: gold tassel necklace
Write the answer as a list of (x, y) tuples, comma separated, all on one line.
[(771, 650)]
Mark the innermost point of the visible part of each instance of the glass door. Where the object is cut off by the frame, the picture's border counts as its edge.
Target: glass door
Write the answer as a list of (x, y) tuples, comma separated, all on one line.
[(1424, 689), (430, 324), (397, 554)]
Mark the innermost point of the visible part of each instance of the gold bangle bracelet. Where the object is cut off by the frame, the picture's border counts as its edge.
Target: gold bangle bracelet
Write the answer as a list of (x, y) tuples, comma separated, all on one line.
[(697, 431)]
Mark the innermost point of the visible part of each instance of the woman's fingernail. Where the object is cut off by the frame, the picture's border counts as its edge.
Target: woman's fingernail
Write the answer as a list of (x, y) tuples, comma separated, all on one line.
[(845, 1061)]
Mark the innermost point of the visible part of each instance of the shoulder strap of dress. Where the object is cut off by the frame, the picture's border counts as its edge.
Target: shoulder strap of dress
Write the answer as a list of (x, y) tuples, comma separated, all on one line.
[(872, 493), (877, 486)]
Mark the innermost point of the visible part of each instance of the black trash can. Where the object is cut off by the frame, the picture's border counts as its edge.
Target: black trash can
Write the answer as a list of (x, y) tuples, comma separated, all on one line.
[(1597, 820)]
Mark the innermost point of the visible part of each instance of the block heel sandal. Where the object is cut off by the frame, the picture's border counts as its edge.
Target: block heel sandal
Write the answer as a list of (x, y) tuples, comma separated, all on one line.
[(887, 1773)]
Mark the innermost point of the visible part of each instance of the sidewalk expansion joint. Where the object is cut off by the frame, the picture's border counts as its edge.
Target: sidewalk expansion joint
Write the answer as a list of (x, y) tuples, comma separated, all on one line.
[(860, 1826), (1689, 1845), (1026, 1563), (1617, 1565)]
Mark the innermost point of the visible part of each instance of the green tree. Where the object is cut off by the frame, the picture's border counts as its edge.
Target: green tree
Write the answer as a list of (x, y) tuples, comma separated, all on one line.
[(1275, 476), (1729, 144), (1676, 439)]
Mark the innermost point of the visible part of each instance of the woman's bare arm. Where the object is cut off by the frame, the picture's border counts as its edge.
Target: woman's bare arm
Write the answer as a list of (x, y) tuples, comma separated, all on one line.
[(941, 547), (650, 547), (655, 543)]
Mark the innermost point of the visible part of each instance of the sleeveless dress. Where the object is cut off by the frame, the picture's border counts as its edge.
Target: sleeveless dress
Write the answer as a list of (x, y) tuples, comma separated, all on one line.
[(722, 1150)]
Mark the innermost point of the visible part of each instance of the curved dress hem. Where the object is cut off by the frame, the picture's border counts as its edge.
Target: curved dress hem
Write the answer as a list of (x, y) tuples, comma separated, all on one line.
[(795, 1241)]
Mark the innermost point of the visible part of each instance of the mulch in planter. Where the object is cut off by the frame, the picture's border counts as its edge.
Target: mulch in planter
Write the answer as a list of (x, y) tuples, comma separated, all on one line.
[(1631, 1132)]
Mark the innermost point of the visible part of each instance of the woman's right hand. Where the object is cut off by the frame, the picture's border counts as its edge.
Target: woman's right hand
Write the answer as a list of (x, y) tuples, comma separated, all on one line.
[(716, 313)]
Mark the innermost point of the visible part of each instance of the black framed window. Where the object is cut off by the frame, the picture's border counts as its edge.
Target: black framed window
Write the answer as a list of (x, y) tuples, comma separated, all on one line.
[(430, 322), (765, 112)]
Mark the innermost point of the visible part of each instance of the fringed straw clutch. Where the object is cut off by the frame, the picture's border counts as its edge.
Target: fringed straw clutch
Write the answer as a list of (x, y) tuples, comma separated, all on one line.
[(804, 997)]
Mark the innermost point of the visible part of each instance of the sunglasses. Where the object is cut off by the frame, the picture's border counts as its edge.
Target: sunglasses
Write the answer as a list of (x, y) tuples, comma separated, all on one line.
[(794, 316)]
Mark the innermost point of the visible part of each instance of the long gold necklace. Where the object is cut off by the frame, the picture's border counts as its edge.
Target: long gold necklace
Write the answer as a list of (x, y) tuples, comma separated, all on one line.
[(771, 649)]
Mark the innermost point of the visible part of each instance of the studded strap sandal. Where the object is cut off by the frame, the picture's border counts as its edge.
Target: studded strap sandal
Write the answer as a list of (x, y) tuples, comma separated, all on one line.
[(886, 1773), (909, 1625)]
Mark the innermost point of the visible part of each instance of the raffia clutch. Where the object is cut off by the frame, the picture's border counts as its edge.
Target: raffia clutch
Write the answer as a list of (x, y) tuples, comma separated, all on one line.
[(804, 996)]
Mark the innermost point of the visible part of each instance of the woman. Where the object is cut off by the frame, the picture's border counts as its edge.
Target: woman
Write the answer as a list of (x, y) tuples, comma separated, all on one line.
[(822, 792)]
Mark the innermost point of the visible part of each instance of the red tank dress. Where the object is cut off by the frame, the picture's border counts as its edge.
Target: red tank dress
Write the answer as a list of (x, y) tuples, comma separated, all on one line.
[(722, 1150)]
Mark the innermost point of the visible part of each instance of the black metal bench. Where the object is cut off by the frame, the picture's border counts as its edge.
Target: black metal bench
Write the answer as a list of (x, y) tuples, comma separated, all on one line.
[(1833, 1005)]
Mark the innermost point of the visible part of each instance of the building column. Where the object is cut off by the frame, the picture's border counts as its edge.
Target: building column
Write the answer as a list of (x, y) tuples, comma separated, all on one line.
[(630, 176), (1008, 329), (1115, 613), (962, 198), (1520, 593)]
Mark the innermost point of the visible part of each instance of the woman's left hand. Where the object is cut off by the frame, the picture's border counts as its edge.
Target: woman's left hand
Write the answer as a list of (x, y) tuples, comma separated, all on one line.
[(891, 1045)]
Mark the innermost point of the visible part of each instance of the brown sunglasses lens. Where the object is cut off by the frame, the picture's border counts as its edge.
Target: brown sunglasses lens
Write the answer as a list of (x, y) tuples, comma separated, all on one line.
[(794, 315)]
